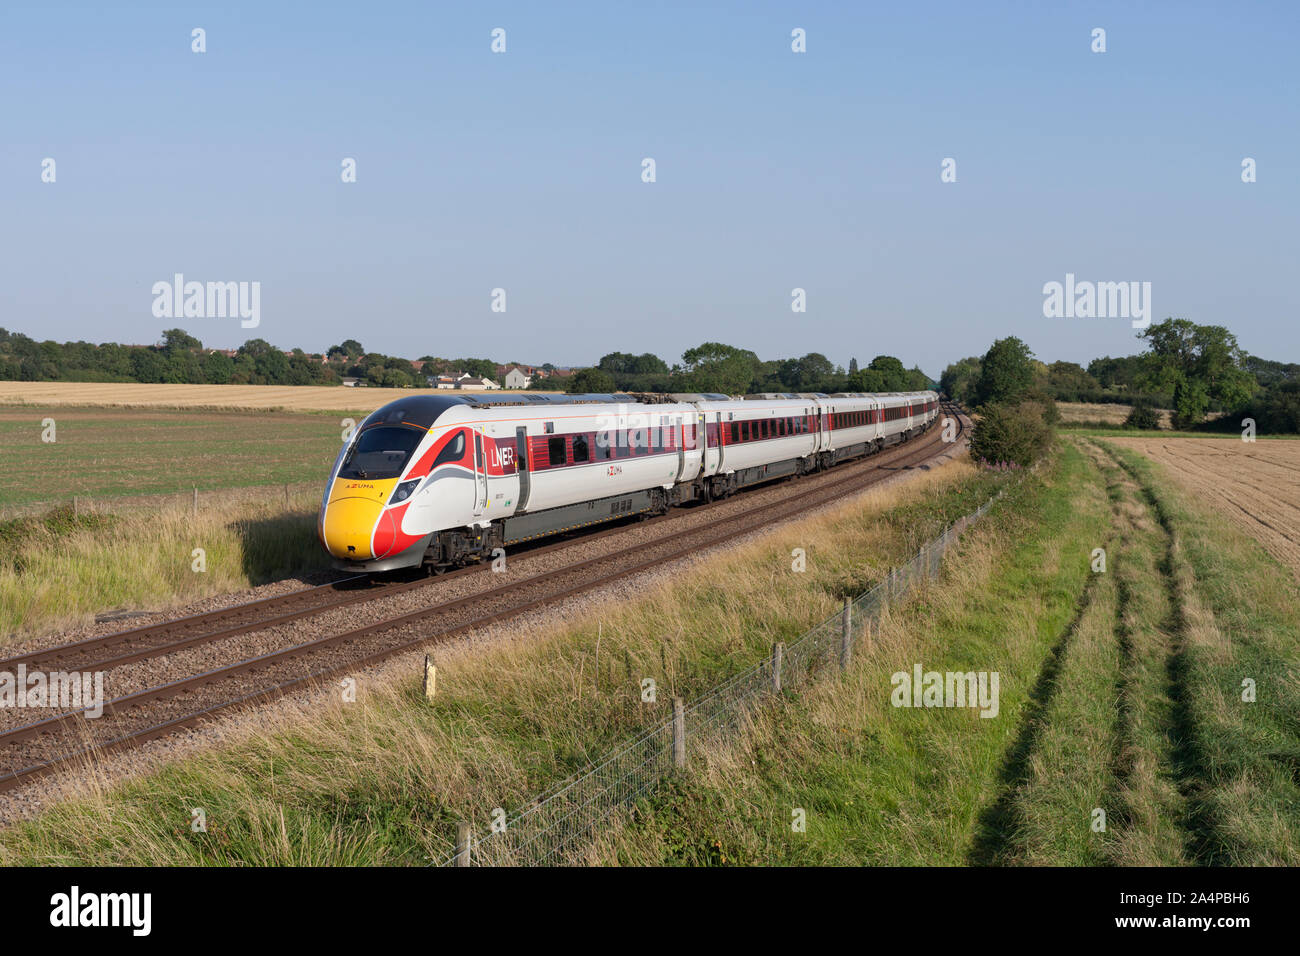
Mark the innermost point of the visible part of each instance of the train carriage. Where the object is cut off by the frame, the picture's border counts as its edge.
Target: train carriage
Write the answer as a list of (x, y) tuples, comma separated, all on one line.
[(440, 480)]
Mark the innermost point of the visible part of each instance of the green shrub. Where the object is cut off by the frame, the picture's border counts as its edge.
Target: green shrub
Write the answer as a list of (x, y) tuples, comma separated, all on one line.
[(1011, 434), (1143, 415)]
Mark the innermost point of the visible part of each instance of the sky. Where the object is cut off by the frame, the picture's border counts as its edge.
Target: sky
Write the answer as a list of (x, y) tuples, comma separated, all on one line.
[(774, 171)]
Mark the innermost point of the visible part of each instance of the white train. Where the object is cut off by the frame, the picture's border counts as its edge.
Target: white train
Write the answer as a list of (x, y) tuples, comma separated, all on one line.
[(441, 480)]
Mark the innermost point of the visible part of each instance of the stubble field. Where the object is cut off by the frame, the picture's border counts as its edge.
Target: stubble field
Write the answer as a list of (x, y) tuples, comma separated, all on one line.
[(1256, 485)]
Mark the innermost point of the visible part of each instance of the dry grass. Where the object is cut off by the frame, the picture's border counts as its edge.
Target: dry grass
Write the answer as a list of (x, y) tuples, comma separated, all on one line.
[(1088, 413), (58, 570), (1255, 485), (288, 397)]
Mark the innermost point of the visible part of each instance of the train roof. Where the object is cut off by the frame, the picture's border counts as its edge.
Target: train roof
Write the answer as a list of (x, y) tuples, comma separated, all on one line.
[(423, 408)]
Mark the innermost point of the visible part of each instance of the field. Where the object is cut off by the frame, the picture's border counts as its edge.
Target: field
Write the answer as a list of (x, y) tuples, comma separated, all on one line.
[(1254, 485), (111, 452), (1086, 413), (295, 398)]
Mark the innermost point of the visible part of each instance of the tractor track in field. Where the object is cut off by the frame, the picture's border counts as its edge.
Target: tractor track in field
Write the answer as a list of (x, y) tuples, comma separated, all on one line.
[(273, 658)]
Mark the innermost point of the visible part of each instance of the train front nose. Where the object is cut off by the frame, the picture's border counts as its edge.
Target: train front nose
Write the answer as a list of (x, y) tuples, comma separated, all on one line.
[(352, 513)]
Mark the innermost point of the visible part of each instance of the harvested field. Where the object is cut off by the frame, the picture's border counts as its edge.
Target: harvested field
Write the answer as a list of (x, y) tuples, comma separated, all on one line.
[(299, 398), (1255, 484)]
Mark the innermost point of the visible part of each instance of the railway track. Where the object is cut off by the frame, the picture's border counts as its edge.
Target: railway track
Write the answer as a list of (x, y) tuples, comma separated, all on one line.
[(35, 749)]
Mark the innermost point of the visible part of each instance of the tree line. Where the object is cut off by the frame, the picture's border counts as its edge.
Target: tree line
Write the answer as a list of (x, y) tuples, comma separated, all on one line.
[(180, 358), (726, 369)]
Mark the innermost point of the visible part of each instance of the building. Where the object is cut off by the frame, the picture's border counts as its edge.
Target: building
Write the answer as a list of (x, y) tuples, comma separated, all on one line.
[(470, 384), (517, 378)]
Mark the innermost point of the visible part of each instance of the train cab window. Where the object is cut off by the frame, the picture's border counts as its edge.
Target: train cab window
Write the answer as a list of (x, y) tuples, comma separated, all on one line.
[(555, 450), (548, 428), (380, 451), (580, 449), (452, 451)]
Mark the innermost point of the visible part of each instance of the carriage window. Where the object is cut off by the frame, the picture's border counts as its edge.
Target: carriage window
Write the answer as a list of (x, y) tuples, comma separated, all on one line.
[(735, 432), (580, 449), (555, 449)]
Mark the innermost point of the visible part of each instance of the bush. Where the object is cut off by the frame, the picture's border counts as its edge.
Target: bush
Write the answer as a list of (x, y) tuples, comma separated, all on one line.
[(1143, 415), (1016, 434)]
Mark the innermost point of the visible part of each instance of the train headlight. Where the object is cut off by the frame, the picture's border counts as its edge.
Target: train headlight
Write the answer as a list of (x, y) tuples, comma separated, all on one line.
[(404, 491)]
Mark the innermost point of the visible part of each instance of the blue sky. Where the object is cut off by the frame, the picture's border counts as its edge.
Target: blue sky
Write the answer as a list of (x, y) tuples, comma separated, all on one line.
[(775, 170)]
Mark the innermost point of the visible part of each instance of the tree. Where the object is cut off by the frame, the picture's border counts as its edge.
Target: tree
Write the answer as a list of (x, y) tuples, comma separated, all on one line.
[(590, 381), (814, 372), (1206, 355), (480, 368), (1190, 403), (958, 380), (1006, 372), (853, 366), (715, 367), (179, 340), (1125, 372), (1068, 382)]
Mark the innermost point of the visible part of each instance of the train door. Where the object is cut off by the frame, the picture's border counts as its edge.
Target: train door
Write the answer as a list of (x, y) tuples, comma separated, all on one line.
[(712, 444), (480, 476), (521, 468)]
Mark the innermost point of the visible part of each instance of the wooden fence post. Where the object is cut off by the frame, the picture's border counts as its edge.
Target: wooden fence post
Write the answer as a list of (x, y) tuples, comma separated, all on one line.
[(778, 657), (679, 732), (430, 678), (196, 501), (846, 634), (463, 840), (286, 496)]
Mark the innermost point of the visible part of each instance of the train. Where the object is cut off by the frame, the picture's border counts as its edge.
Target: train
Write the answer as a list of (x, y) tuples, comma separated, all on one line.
[(439, 481)]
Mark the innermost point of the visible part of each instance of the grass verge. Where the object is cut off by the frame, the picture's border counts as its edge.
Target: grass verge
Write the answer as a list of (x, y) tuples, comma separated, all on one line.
[(61, 568)]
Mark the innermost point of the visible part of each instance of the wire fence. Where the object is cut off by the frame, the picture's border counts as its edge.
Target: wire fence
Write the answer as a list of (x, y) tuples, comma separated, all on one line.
[(555, 828)]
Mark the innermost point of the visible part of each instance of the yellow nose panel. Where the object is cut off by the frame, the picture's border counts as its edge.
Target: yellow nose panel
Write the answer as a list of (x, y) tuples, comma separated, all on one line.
[(354, 508)]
